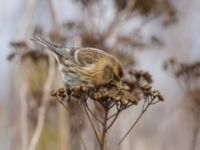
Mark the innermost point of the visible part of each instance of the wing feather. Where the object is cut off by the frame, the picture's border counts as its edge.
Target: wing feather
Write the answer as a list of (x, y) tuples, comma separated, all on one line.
[(88, 56)]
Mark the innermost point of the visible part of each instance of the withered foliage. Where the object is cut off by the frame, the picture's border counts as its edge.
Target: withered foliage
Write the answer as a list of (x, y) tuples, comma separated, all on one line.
[(188, 77), (112, 98), (36, 60), (109, 100), (187, 73), (146, 7), (91, 36)]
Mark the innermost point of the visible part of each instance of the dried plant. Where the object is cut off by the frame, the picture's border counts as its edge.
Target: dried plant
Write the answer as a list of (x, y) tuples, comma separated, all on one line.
[(146, 7), (109, 100), (113, 99), (102, 105), (36, 73), (188, 77)]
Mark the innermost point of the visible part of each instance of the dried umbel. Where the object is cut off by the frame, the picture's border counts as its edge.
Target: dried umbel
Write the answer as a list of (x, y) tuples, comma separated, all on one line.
[(129, 92), (112, 98), (187, 74)]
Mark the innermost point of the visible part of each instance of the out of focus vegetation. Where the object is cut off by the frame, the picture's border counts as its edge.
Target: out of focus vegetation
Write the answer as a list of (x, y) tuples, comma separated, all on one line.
[(117, 27)]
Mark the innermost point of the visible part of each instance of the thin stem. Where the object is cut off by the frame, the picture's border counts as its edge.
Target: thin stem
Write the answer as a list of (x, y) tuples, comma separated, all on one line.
[(64, 135), (92, 124), (44, 105), (104, 130), (93, 113), (113, 115), (136, 121), (112, 105), (134, 124), (27, 15), (24, 118), (75, 123), (113, 121), (54, 15)]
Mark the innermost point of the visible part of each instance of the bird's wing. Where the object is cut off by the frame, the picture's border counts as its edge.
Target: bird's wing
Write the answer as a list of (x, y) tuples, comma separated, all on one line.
[(88, 56), (82, 56)]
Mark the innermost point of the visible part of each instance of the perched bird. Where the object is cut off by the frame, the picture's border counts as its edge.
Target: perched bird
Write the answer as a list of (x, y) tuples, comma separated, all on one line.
[(85, 65)]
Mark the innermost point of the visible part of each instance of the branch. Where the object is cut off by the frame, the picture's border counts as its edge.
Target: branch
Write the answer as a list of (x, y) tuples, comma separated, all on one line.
[(43, 107), (93, 127), (134, 124), (27, 15), (24, 121), (104, 130), (75, 122), (54, 15), (92, 113), (144, 108), (113, 121)]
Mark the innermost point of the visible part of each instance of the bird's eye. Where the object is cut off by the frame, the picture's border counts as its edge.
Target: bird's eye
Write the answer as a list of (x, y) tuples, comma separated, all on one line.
[(120, 72)]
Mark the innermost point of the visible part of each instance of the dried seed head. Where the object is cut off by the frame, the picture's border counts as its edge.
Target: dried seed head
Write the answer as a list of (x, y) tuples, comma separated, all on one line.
[(20, 44), (53, 93), (146, 87), (61, 90), (156, 94)]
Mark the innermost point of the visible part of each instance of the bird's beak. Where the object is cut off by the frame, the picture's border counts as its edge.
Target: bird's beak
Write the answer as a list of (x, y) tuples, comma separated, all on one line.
[(116, 83)]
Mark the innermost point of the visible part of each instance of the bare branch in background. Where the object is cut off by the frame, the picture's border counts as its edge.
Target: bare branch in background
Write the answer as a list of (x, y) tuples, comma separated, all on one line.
[(54, 14), (27, 15), (24, 119), (188, 77), (43, 107)]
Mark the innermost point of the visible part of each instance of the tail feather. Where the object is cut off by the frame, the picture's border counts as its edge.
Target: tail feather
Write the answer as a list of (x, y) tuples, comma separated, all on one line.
[(59, 50)]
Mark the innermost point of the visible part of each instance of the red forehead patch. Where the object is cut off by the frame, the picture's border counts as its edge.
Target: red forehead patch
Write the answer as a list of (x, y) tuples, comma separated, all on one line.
[(120, 71)]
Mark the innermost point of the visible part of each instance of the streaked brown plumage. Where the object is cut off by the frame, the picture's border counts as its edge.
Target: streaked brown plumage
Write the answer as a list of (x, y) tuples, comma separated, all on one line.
[(85, 65)]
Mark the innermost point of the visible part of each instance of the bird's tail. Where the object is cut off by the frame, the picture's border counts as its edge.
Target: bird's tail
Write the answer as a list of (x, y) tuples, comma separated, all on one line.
[(59, 50)]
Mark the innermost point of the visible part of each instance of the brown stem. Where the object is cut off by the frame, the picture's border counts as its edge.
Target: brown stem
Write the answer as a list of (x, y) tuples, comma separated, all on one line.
[(113, 121), (64, 135), (134, 124), (75, 122), (144, 108), (43, 108), (24, 118), (104, 130), (93, 113), (27, 15), (92, 124)]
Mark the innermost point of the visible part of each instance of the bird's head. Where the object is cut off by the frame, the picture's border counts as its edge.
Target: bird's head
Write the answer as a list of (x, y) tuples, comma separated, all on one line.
[(113, 71), (117, 71)]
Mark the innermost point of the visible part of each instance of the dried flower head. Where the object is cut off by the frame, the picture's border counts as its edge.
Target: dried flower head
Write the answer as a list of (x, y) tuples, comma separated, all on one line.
[(187, 74), (112, 97)]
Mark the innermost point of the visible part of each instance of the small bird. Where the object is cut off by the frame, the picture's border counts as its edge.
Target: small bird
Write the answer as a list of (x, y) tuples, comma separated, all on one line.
[(85, 65)]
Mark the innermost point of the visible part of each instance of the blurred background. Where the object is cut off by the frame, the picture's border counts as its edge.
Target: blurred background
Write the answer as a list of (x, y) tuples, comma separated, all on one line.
[(143, 34)]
